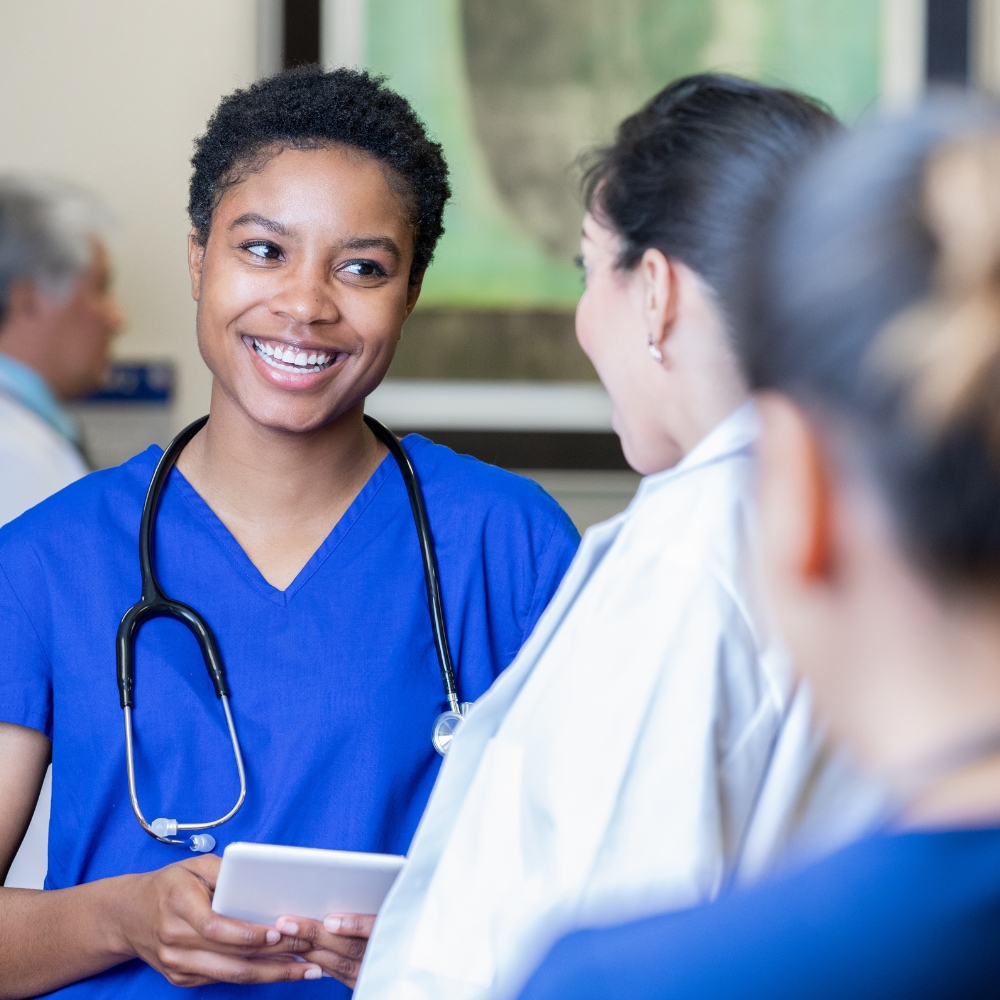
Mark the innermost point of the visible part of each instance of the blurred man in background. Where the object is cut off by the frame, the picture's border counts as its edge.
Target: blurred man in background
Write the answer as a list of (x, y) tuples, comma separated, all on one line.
[(57, 319)]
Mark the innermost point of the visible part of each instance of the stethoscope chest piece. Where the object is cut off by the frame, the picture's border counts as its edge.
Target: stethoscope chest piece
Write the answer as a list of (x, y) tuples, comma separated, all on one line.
[(446, 725)]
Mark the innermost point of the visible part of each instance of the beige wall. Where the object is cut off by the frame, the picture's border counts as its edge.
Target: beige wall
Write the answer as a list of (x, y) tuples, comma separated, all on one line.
[(110, 94)]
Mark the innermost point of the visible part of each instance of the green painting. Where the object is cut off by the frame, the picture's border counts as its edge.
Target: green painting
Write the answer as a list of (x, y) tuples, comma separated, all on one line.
[(516, 90)]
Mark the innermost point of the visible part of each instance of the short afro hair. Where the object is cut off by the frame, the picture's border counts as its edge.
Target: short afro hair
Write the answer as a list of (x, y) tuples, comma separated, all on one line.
[(307, 108)]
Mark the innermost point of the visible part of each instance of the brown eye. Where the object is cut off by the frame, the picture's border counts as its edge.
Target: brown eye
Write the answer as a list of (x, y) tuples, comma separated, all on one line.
[(263, 250), (365, 269)]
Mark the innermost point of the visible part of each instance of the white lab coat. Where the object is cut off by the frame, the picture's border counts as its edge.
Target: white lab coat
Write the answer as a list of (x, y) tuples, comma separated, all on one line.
[(35, 460), (646, 746)]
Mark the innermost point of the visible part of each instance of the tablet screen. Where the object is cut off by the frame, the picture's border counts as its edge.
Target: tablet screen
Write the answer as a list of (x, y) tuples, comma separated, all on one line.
[(261, 882)]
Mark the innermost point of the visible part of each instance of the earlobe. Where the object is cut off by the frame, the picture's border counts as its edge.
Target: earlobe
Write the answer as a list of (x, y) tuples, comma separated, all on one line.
[(659, 299)]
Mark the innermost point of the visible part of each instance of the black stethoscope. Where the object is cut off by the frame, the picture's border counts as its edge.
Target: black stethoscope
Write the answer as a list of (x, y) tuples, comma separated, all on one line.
[(155, 604)]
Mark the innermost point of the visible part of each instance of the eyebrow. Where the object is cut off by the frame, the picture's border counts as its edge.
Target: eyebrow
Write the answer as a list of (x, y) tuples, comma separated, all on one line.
[(253, 219), (385, 243)]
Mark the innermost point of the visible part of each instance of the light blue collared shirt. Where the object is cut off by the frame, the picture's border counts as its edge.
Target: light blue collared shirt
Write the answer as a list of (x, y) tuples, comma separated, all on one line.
[(29, 389)]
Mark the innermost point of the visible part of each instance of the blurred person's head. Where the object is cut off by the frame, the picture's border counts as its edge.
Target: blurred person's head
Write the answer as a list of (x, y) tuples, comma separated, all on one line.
[(57, 313), (316, 204), (873, 328), (670, 209)]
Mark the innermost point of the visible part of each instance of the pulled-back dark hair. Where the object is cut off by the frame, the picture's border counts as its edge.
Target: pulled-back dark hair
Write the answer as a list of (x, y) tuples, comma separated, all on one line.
[(307, 108), (875, 302), (689, 173)]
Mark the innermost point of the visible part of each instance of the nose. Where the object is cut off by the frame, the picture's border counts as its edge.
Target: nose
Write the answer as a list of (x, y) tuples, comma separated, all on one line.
[(305, 295)]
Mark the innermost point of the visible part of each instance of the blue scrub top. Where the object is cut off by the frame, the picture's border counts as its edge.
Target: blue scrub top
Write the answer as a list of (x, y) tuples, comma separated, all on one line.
[(335, 682), (908, 917)]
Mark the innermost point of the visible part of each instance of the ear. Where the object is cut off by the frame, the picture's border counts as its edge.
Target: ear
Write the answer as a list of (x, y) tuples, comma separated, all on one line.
[(22, 301), (658, 286), (196, 261), (413, 293), (795, 492)]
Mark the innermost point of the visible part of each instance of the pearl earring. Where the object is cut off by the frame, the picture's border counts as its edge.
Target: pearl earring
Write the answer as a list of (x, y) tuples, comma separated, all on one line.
[(653, 349)]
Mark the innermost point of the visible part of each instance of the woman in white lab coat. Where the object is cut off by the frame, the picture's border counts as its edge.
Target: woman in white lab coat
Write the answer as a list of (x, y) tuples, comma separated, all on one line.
[(646, 745)]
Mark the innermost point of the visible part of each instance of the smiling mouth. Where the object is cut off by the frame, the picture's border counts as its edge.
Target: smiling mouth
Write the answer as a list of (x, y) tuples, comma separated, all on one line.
[(288, 358)]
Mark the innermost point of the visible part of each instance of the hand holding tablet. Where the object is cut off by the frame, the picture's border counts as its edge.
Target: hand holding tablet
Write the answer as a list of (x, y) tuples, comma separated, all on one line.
[(261, 882), (298, 888)]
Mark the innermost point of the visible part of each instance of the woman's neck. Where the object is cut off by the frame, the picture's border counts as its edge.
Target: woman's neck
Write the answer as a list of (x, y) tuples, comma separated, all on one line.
[(279, 493), (924, 700), (703, 382), (952, 775)]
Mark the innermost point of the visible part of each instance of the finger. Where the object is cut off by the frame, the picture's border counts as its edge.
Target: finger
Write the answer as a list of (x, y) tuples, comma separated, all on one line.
[(302, 928), (190, 940), (341, 967), (214, 967), (351, 924), (179, 934), (320, 938), (238, 934)]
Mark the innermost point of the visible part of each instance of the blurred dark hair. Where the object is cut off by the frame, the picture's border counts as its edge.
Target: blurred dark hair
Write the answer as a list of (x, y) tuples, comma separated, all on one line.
[(873, 301), (691, 172), (307, 108)]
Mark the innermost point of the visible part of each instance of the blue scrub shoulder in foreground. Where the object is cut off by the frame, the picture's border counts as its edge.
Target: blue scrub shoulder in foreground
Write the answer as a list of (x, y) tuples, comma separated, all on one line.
[(335, 683), (913, 916)]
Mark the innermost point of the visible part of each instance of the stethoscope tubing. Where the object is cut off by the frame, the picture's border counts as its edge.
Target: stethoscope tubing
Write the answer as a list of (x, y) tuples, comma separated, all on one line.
[(134, 796), (154, 603), (425, 539)]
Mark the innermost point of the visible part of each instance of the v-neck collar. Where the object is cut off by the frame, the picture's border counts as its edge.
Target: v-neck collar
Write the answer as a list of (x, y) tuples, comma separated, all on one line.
[(326, 548)]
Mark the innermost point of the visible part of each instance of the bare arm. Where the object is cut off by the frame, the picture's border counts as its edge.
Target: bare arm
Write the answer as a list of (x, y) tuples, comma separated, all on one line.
[(54, 938), (26, 754)]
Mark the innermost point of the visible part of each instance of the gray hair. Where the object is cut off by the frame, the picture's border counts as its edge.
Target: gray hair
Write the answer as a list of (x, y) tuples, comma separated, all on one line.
[(46, 233)]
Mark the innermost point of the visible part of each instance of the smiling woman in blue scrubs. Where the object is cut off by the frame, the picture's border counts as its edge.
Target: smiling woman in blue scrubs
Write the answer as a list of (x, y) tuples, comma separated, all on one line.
[(316, 203)]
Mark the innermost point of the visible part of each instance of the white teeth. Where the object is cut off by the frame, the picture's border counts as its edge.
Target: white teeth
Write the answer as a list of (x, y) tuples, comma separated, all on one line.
[(289, 359)]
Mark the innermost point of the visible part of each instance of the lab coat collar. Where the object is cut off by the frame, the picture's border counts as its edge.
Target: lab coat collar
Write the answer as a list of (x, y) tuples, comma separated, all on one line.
[(27, 387), (736, 433)]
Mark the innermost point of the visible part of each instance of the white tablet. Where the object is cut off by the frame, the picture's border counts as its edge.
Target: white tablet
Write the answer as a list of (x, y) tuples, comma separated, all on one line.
[(261, 882)]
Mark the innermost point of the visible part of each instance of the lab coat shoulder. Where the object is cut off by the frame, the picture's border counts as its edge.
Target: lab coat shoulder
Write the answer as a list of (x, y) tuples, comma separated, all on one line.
[(714, 711), (35, 461), (617, 768), (703, 525)]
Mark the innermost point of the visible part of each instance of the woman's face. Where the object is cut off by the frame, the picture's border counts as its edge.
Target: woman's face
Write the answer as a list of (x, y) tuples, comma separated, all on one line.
[(303, 286), (611, 328), (857, 619), (83, 325)]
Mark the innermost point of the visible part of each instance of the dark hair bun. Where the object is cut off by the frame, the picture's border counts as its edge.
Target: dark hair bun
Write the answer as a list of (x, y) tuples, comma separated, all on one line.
[(876, 304), (690, 173)]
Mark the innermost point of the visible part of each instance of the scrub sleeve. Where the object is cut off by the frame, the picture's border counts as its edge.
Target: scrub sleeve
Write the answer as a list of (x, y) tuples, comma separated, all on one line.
[(25, 675)]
